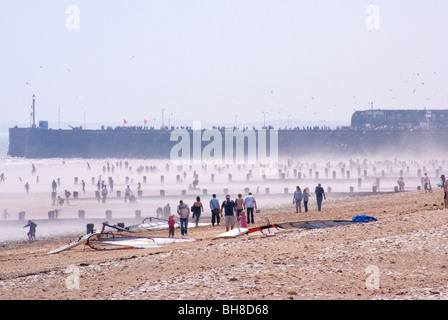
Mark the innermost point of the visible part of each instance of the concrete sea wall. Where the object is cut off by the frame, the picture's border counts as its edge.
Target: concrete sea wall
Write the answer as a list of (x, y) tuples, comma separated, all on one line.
[(156, 144)]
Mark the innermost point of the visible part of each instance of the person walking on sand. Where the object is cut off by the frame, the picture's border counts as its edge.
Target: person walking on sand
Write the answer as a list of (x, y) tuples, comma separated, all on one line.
[(297, 199), (67, 197), (184, 212), (32, 232), (444, 186), (320, 195), (427, 183), (242, 219), (197, 210), (171, 223), (54, 186), (127, 194), (214, 206), (306, 198), (229, 208), (445, 191), (239, 203), (249, 205), (104, 193), (166, 211)]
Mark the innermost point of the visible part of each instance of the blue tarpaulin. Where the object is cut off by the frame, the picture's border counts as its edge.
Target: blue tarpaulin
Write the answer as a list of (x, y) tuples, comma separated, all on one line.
[(364, 218)]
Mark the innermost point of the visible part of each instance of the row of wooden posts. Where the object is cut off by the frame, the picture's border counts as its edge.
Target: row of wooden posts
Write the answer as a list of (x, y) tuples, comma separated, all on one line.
[(54, 214), (162, 192), (282, 175)]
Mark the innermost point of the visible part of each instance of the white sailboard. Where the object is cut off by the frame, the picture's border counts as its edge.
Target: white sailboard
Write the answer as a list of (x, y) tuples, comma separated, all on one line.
[(142, 243), (163, 240), (232, 233), (73, 244), (149, 224)]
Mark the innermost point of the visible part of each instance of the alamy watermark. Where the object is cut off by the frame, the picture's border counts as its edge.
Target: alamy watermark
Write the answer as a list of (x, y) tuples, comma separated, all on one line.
[(72, 22), (373, 280), (373, 18), (227, 146), (72, 281)]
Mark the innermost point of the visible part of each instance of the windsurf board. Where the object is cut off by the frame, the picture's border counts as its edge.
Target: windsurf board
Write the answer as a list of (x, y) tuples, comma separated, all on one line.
[(134, 243), (72, 244), (163, 240), (232, 233)]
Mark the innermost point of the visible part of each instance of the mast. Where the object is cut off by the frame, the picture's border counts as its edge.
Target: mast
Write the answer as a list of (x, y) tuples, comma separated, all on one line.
[(34, 112)]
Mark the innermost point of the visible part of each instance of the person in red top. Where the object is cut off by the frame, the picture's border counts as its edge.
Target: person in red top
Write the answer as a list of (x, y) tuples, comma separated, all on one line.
[(171, 223)]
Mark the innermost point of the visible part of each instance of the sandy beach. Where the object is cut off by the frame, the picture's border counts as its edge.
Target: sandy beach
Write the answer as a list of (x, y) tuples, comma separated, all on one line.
[(402, 256)]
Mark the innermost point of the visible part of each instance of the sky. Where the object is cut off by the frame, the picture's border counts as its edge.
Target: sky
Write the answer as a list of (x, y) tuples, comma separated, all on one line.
[(219, 61)]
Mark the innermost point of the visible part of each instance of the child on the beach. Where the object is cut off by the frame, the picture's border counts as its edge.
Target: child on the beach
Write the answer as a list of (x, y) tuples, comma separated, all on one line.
[(171, 223), (242, 219)]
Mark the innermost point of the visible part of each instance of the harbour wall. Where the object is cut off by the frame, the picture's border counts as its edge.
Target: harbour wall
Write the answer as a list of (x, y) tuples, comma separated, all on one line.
[(159, 144)]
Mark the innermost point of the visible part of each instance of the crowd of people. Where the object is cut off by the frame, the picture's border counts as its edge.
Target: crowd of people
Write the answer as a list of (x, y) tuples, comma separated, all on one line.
[(238, 212), (233, 212)]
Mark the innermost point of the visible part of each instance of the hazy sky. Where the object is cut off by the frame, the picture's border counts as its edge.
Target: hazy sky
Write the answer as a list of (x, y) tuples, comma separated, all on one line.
[(219, 60)]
